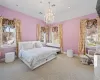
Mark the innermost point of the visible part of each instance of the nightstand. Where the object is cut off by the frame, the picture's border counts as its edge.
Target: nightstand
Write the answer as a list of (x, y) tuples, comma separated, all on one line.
[(9, 57)]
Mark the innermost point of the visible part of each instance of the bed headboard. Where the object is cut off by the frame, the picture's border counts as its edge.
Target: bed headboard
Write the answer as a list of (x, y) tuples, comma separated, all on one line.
[(21, 44)]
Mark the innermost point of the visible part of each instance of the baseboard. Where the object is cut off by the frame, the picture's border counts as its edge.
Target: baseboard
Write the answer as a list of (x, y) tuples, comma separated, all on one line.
[(76, 55), (64, 52)]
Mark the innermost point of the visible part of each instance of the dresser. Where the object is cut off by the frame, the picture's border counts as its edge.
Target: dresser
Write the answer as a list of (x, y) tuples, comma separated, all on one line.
[(97, 66)]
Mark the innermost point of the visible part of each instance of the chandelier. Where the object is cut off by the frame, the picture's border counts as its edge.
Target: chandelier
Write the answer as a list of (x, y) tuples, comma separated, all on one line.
[(49, 15)]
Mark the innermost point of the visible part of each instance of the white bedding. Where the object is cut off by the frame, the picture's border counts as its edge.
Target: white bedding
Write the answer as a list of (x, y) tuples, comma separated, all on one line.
[(35, 54)]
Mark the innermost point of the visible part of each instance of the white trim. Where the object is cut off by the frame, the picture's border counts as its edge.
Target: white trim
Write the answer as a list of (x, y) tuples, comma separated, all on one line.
[(76, 55), (64, 52)]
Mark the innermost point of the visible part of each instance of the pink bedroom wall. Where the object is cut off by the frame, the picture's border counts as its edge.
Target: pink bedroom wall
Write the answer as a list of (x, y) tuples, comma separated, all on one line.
[(71, 32), (28, 23), (28, 26)]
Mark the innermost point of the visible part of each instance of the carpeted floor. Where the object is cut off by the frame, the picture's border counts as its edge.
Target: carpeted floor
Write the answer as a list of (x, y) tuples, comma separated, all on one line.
[(61, 68)]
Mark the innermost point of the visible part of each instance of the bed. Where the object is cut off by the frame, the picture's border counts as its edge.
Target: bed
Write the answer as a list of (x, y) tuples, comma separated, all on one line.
[(35, 55)]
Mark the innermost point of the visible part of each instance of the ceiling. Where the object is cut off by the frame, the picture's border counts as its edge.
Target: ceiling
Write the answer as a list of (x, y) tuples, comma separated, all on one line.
[(63, 9)]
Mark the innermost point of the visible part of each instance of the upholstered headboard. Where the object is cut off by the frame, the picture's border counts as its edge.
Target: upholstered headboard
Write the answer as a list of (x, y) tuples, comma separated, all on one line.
[(21, 44), (32, 44)]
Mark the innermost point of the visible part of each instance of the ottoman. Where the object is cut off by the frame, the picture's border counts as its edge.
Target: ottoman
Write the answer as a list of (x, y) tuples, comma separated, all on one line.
[(70, 53), (9, 57)]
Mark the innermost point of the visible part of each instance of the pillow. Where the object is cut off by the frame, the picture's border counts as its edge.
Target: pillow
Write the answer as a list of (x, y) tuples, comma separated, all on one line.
[(27, 46), (53, 45), (38, 44)]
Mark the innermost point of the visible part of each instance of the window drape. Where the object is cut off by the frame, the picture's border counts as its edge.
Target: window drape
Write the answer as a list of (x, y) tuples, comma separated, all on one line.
[(90, 25), (91, 33), (98, 26), (52, 32), (17, 24), (42, 33), (1, 18), (38, 32), (60, 31), (81, 47)]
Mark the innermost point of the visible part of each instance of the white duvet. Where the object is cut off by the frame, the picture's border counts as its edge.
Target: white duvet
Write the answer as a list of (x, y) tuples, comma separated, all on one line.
[(33, 55)]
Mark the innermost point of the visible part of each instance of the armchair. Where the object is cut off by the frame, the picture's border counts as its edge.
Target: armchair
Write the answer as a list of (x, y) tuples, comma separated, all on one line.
[(92, 52), (89, 57)]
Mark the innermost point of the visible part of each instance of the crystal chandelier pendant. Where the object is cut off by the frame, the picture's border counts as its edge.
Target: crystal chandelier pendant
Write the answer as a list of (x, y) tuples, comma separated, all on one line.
[(49, 15)]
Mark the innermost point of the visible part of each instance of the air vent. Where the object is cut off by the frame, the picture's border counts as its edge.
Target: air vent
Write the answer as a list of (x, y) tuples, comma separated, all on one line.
[(40, 13), (40, 1), (16, 5), (53, 5)]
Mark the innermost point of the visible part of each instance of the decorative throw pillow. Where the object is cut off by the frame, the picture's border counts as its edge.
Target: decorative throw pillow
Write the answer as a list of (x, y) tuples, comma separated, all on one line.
[(27, 46), (38, 44)]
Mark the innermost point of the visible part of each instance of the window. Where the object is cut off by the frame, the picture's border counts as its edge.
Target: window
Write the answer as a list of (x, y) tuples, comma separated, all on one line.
[(91, 34), (43, 37), (8, 35), (55, 35), (43, 34)]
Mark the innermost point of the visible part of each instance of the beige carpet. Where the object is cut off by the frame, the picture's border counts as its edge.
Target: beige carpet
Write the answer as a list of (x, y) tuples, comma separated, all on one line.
[(61, 68)]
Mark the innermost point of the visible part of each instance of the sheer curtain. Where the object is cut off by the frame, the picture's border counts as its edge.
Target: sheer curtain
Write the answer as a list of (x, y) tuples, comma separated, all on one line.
[(17, 24)]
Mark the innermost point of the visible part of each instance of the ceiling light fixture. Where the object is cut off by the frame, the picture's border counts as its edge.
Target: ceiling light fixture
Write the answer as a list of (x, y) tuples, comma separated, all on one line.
[(40, 13), (68, 7), (49, 15), (16, 5), (40, 1)]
